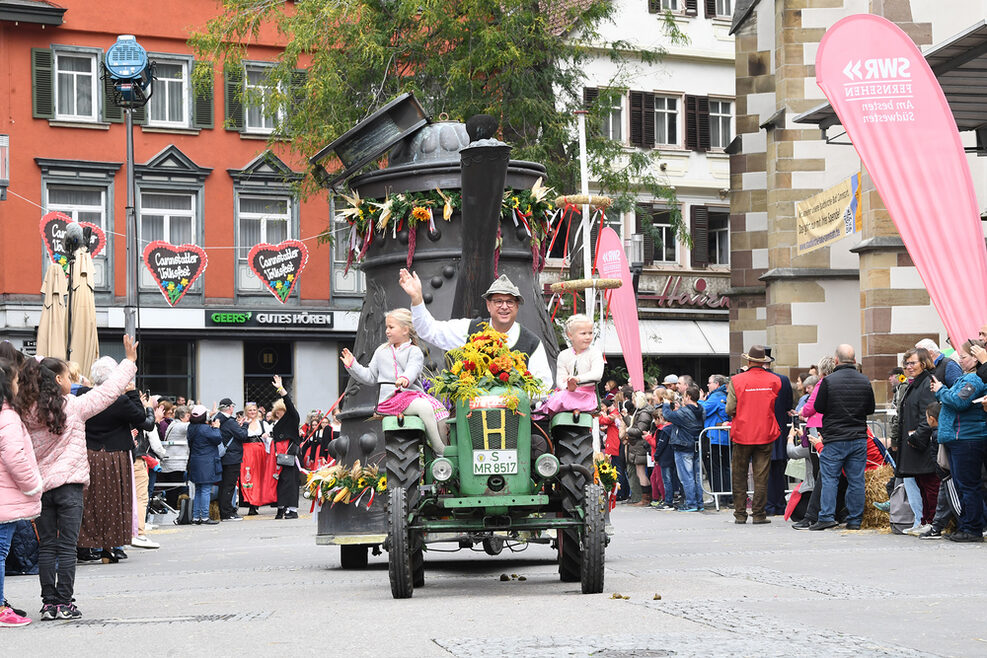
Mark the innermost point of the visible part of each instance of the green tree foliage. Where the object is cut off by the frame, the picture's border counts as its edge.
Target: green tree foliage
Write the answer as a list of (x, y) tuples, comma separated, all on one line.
[(518, 60)]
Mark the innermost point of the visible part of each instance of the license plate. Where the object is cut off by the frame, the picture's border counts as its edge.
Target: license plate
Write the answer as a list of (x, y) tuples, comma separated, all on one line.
[(494, 462)]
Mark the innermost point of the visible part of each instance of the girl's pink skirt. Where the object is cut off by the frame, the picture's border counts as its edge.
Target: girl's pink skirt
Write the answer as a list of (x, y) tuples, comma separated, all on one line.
[(582, 399), (398, 402)]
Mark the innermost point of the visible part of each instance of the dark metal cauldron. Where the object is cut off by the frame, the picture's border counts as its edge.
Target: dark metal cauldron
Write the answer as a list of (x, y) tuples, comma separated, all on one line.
[(427, 160)]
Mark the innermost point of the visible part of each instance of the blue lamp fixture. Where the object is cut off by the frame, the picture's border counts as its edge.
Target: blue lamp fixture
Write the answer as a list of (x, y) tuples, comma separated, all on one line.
[(131, 72)]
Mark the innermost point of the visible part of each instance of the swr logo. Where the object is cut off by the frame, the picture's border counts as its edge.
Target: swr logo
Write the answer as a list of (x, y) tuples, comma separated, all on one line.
[(885, 68)]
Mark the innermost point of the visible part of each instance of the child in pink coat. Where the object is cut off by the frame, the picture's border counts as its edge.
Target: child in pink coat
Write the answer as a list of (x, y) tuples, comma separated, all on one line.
[(20, 480), (56, 420)]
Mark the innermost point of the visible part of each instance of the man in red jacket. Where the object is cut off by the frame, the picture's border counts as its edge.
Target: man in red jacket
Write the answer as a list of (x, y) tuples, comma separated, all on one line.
[(751, 398)]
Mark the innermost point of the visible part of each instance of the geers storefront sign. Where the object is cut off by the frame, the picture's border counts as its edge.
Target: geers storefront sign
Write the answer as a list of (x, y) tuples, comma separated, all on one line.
[(268, 319)]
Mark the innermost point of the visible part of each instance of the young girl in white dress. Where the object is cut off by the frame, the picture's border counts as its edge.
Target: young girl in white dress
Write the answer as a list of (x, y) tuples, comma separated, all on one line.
[(397, 367), (578, 370)]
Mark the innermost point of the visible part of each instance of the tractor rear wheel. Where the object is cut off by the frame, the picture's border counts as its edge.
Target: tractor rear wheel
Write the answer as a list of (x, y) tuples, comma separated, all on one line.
[(594, 541), (399, 553), (403, 463), (573, 446)]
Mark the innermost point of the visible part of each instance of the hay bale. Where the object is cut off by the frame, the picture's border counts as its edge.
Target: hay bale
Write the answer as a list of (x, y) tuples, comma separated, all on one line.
[(875, 491)]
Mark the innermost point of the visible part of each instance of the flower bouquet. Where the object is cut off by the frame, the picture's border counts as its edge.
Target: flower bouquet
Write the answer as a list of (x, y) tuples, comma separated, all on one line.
[(605, 474), (485, 362), (342, 484)]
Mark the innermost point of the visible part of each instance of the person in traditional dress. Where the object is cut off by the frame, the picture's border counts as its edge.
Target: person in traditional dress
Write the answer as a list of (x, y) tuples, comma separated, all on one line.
[(578, 371)]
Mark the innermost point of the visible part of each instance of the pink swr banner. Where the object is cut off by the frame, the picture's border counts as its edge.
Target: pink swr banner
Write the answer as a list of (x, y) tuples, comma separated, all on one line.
[(895, 113), (612, 264)]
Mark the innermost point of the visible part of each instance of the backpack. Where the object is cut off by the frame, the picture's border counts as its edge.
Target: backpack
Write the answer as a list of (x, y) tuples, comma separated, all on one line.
[(184, 510)]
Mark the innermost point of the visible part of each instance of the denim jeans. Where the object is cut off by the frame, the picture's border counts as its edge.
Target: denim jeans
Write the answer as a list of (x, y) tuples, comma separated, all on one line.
[(6, 535), (914, 498), (58, 533), (688, 469), (966, 458), (849, 457), (669, 477), (200, 503)]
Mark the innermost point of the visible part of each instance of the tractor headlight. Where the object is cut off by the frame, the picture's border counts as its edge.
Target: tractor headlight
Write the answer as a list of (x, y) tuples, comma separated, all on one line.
[(442, 469), (547, 466)]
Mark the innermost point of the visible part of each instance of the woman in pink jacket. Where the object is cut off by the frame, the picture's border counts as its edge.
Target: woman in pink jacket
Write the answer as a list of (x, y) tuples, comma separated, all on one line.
[(20, 480), (56, 421)]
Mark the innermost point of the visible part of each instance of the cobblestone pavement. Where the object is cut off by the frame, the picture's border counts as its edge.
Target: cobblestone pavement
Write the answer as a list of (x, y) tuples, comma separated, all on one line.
[(263, 587)]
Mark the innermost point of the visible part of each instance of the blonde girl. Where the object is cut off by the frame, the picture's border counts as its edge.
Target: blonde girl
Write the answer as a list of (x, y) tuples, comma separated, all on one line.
[(397, 367), (578, 371)]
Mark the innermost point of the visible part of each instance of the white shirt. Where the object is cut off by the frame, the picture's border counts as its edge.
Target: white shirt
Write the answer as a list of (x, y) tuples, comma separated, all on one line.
[(450, 334), (586, 367)]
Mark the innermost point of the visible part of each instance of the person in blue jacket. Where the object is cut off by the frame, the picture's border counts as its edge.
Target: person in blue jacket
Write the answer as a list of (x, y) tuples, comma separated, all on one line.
[(963, 430), (687, 421), (204, 466), (717, 458)]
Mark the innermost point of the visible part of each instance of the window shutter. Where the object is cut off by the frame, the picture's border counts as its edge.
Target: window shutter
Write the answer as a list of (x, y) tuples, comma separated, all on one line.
[(233, 85), (112, 113), (590, 94), (648, 120), (140, 115), (691, 7), (42, 81), (654, 6), (691, 124), (202, 102), (702, 119), (298, 92), (710, 8), (699, 230), (637, 123), (642, 217)]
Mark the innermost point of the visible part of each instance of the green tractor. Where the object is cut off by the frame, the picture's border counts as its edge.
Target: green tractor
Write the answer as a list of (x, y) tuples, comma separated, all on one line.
[(486, 485)]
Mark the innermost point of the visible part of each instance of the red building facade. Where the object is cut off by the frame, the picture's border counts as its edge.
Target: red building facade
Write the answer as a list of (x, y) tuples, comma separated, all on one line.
[(204, 175)]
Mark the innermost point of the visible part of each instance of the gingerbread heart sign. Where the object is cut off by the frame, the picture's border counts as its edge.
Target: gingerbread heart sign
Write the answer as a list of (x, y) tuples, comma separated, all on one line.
[(53, 226), (279, 266), (175, 269)]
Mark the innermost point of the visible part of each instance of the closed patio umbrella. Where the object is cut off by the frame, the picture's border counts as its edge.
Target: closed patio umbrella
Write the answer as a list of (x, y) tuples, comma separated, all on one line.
[(84, 344), (52, 328)]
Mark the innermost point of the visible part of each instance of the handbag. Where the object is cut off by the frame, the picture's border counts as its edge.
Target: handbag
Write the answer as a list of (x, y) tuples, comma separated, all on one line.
[(284, 459)]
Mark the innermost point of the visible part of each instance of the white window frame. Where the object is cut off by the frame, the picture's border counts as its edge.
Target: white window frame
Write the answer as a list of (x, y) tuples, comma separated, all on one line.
[(615, 117), (100, 260), (713, 237), (668, 237), (722, 120), (724, 8), (146, 280), (661, 115), (243, 249), (249, 102), (186, 93), (670, 5), (93, 56)]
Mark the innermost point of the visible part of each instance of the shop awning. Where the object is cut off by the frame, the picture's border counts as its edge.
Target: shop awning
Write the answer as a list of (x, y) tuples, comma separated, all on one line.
[(960, 65), (676, 337)]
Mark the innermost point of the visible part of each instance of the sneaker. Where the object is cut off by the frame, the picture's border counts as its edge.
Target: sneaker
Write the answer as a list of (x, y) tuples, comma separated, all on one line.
[(853, 526), (823, 525), (683, 508), (6, 604), (291, 515), (657, 504), (141, 541), (804, 524), (209, 522), (149, 526), (760, 521), (10, 619), (119, 554), (49, 612), (917, 530), (965, 537), (234, 517), (884, 507), (68, 611), (931, 533)]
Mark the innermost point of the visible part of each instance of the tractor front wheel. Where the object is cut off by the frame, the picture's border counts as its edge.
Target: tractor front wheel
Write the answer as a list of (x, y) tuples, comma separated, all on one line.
[(594, 540)]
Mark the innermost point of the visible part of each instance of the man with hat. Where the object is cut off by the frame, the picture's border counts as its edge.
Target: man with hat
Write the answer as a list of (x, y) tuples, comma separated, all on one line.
[(751, 397), (233, 435), (503, 301)]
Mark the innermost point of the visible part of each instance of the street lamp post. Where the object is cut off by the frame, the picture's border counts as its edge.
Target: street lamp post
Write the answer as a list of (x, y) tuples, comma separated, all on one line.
[(634, 250), (132, 73)]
